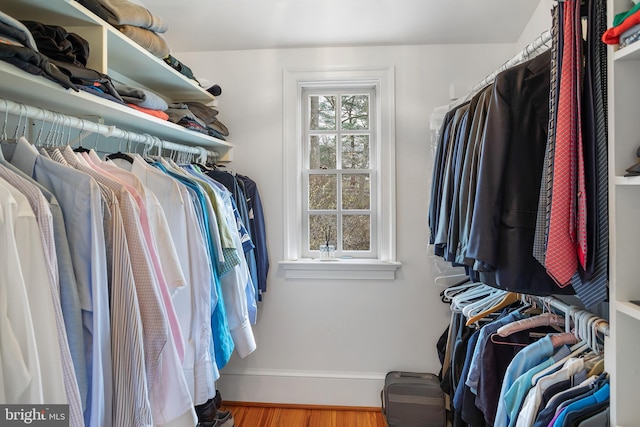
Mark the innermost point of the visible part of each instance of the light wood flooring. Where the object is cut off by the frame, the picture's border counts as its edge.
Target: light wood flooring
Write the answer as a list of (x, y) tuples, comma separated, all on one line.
[(274, 415)]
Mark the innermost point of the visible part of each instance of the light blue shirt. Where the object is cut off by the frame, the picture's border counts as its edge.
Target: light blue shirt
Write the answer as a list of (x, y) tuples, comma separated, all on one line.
[(526, 359), (81, 203)]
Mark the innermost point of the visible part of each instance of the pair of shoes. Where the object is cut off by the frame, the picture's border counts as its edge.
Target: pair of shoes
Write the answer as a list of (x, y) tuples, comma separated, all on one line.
[(225, 421), (206, 411)]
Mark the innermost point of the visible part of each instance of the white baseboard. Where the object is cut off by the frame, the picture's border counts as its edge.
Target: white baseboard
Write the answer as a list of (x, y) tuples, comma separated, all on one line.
[(302, 387)]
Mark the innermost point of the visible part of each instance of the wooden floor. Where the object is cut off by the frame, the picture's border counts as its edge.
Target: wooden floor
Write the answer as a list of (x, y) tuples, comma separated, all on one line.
[(270, 415)]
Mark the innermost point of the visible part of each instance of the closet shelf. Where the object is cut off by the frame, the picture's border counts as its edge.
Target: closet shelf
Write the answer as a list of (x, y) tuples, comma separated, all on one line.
[(629, 308), (29, 89), (627, 180), (628, 53), (121, 56)]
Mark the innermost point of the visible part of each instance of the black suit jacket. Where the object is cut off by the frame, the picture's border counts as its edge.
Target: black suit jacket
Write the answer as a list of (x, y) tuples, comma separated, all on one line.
[(509, 178)]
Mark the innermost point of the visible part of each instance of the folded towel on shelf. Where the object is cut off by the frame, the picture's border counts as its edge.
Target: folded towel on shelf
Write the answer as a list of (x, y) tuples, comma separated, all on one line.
[(148, 39)]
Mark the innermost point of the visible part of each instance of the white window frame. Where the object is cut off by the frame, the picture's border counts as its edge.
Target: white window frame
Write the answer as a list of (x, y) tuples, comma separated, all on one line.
[(340, 90), (384, 264)]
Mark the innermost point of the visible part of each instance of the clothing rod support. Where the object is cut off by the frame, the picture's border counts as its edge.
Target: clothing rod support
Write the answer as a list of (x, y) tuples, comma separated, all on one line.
[(29, 112)]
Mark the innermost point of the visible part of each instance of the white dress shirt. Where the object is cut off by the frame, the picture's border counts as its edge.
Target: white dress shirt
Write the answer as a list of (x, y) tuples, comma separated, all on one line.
[(21, 377)]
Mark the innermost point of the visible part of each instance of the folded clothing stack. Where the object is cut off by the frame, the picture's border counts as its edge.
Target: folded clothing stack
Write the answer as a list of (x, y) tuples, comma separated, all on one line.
[(134, 21), (69, 52), (198, 117), (18, 47), (143, 100), (625, 27)]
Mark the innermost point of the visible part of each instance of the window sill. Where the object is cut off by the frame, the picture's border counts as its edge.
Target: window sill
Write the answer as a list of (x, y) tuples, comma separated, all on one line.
[(357, 269)]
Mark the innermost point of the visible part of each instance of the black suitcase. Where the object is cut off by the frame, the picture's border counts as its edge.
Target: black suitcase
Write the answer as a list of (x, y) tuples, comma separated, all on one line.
[(411, 399)]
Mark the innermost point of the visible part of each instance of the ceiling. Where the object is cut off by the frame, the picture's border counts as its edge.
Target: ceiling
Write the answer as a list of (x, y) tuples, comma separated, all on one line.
[(211, 25)]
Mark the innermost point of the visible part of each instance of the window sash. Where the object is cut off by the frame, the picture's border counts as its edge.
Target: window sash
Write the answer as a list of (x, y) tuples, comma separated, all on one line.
[(339, 91)]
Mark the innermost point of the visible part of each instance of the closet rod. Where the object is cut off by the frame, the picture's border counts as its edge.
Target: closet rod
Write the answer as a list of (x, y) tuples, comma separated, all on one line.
[(36, 113), (522, 56), (602, 326)]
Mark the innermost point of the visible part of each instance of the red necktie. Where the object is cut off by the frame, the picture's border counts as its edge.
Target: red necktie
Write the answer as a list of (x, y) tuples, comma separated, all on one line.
[(562, 246)]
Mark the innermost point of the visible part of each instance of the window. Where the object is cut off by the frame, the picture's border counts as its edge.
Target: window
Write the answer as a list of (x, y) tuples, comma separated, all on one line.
[(339, 178)]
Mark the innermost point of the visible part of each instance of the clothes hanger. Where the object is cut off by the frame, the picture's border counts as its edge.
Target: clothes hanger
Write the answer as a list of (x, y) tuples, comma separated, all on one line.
[(505, 301), (80, 148), (120, 154), (474, 293), (544, 319), (580, 319)]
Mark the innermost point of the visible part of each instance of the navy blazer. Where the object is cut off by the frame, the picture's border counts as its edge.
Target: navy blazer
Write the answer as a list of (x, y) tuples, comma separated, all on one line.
[(509, 177)]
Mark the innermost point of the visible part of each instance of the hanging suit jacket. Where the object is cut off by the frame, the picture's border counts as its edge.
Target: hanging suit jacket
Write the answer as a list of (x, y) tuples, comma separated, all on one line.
[(509, 177)]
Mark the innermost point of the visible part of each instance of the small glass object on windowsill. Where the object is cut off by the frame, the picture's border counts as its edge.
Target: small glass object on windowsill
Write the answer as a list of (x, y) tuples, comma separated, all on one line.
[(327, 253)]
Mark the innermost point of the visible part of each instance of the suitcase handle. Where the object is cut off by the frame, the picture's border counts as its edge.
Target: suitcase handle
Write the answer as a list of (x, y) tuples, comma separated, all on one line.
[(410, 375)]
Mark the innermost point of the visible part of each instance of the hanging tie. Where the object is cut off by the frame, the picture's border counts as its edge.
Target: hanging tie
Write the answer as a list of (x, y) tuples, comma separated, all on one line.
[(567, 225)]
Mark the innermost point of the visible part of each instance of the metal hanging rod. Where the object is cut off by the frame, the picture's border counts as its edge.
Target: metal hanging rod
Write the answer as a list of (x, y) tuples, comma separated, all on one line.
[(524, 55), (36, 113)]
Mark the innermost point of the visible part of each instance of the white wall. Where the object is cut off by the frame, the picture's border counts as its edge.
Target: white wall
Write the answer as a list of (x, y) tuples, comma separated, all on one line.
[(539, 22), (332, 342)]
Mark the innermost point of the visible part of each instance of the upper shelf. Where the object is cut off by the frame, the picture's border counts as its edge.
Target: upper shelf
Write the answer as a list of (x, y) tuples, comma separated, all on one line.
[(29, 89), (123, 56)]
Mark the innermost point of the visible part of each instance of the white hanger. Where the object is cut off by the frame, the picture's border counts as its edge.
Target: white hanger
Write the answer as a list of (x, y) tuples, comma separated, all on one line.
[(581, 320)]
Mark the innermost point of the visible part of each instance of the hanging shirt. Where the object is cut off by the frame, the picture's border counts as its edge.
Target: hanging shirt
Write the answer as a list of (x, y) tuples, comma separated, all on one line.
[(529, 409), (69, 299), (192, 305), (222, 345), (44, 223), (168, 392), (81, 203), (34, 271), (237, 287), (21, 377), (162, 259)]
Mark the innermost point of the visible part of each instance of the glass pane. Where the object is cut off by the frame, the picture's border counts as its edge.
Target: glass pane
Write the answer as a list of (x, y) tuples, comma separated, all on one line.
[(356, 192), (322, 110), (322, 152), (356, 232), (355, 112), (355, 152), (323, 192), (321, 227)]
